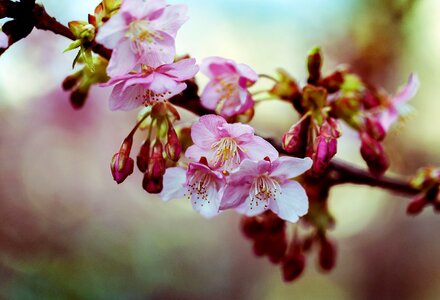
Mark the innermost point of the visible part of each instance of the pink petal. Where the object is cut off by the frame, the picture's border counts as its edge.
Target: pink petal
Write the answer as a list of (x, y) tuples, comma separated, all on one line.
[(160, 51), (234, 195), (112, 32), (123, 60), (238, 131), (248, 74), (194, 153), (182, 70), (205, 131), (162, 84), (408, 91), (215, 66), (249, 208), (292, 203), (174, 184), (127, 99), (141, 8), (211, 95), (171, 19), (258, 148), (290, 167), (207, 207)]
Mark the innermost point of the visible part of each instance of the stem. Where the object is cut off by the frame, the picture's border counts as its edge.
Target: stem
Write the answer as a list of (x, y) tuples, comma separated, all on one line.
[(338, 173)]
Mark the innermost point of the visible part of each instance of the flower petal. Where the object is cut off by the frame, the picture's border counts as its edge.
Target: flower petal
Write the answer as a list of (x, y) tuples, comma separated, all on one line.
[(206, 131), (112, 32), (211, 95), (290, 167), (171, 19), (215, 66), (292, 203), (208, 207), (141, 8), (128, 99), (174, 184), (182, 70), (258, 148), (408, 91), (234, 195), (122, 61), (4, 40)]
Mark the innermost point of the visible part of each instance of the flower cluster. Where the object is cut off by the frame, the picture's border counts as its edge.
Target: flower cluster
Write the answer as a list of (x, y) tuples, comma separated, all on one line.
[(342, 96), (231, 168)]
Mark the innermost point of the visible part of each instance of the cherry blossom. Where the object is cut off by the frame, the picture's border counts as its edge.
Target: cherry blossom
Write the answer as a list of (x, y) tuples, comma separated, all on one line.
[(226, 145), (150, 85), (258, 186), (227, 91), (398, 104), (201, 185), (143, 32)]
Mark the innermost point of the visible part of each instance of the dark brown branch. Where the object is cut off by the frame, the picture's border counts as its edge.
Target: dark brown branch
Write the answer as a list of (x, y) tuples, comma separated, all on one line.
[(338, 172)]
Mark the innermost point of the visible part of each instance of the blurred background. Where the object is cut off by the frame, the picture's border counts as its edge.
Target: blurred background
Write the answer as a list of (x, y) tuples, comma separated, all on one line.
[(67, 231)]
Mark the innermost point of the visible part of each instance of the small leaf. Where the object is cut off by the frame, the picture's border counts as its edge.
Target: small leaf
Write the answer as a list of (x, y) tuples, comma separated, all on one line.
[(74, 45)]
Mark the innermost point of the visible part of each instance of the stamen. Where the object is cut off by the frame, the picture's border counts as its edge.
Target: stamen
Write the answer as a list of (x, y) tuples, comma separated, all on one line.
[(198, 187), (226, 153), (263, 190)]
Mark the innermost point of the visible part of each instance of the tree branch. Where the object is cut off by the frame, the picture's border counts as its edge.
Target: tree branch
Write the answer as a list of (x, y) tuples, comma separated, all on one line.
[(338, 172)]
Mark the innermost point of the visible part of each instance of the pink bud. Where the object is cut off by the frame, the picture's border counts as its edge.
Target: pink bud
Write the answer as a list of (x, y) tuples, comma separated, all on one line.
[(374, 129), (120, 174), (156, 163), (295, 139), (293, 266), (78, 98), (143, 156), (251, 227), (374, 155), (416, 205), (173, 147), (327, 255), (152, 185)]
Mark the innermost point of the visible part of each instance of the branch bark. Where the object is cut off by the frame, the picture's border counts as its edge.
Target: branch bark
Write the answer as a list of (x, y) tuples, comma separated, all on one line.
[(338, 173)]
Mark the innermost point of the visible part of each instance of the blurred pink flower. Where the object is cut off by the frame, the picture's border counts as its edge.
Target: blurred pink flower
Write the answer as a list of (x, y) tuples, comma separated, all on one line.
[(227, 90), (150, 85), (4, 40), (226, 145), (143, 32), (398, 105), (258, 186), (200, 184)]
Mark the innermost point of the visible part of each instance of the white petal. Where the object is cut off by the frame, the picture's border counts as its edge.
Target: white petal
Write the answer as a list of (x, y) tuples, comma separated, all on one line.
[(292, 203)]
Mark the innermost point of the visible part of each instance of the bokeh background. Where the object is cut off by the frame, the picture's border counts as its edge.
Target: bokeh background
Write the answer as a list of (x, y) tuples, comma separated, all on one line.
[(67, 231)]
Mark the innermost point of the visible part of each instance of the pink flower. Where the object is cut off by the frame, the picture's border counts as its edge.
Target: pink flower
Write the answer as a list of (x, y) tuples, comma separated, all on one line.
[(4, 40), (398, 105), (142, 32), (200, 184), (258, 186), (227, 90), (150, 85), (226, 145)]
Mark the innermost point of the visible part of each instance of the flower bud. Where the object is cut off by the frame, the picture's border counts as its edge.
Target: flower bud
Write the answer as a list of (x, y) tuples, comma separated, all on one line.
[(251, 227), (286, 88), (374, 129), (156, 163), (325, 146), (293, 266), (173, 147), (78, 98), (143, 156), (416, 205), (71, 81), (314, 63), (374, 155), (370, 99), (152, 185), (295, 139), (333, 82), (120, 174), (277, 247), (327, 254)]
